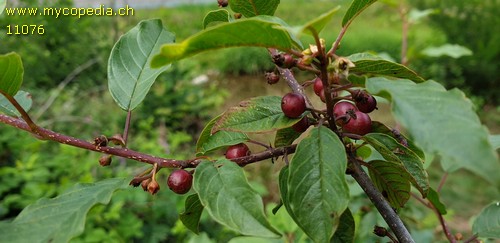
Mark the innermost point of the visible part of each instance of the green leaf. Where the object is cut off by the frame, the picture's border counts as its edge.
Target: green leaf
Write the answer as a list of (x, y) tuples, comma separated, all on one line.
[(224, 191), (433, 197), (249, 239), (373, 65), (129, 75), (250, 8), (192, 213), (393, 151), (441, 122), (392, 180), (495, 141), (259, 114), (11, 73), (285, 137), (487, 224), (346, 229), (61, 218), (357, 6), (454, 51), (209, 142), (22, 97), (283, 186), (2, 5), (317, 189), (316, 25), (262, 31), (215, 17), (378, 127)]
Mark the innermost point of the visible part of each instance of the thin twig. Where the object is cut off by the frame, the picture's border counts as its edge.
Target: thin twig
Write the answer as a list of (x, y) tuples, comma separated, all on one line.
[(443, 180), (135, 155)]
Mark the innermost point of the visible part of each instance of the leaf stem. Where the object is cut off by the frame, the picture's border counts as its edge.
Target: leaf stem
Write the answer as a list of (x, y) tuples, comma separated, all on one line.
[(32, 126), (127, 127)]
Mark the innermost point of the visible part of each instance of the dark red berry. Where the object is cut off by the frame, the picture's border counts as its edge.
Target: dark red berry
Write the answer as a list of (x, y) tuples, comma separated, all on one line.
[(288, 61), (343, 107), (284, 60), (293, 105), (365, 102), (237, 151), (272, 77), (223, 3), (318, 86), (359, 123), (302, 125), (180, 181)]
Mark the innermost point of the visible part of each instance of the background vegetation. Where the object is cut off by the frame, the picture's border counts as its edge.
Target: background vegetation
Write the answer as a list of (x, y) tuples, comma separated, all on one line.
[(68, 65)]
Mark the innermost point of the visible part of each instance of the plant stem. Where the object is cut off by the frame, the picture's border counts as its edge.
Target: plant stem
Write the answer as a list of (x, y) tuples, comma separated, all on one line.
[(33, 128), (389, 215), (442, 221), (134, 155), (441, 183)]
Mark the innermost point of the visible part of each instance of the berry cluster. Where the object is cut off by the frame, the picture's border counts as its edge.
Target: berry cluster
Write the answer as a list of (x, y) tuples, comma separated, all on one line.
[(350, 111)]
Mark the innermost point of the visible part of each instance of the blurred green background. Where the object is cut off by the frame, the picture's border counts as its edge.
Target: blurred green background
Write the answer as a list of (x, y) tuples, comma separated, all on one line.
[(68, 64)]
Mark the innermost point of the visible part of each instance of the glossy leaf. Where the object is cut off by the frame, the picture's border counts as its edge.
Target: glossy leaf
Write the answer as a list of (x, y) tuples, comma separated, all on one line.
[(285, 137), (225, 193), (433, 197), (317, 189), (129, 73), (262, 31), (357, 6), (345, 231), (250, 8), (378, 127), (2, 5), (392, 180), (22, 97), (441, 122), (192, 213), (316, 25), (374, 65), (215, 17), (450, 50), (61, 218), (487, 224), (393, 151), (208, 142), (259, 114), (11, 73)]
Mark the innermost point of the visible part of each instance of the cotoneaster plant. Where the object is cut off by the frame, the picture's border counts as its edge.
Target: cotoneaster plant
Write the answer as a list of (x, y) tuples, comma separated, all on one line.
[(321, 151)]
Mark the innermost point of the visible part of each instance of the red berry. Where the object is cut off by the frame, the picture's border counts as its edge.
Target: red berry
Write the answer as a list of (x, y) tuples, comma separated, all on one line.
[(180, 181), (272, 77), (223, 3), (359, 123), (318, 87), (342, 111), (365, 102), (237, 151), (293, 105), (302, 125), (284, 60)]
